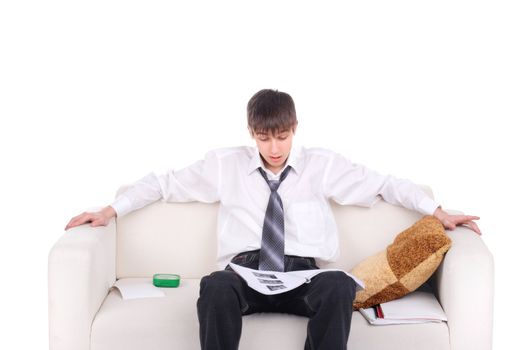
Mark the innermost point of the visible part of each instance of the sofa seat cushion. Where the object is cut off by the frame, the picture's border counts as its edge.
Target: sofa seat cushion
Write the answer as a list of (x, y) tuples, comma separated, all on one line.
[(171, 323)]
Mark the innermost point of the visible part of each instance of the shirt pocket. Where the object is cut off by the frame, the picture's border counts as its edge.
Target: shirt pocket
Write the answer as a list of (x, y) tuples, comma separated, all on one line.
[(309, 222)]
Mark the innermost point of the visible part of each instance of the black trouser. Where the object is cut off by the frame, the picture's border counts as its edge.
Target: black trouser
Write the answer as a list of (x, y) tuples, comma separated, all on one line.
[(326, 301)]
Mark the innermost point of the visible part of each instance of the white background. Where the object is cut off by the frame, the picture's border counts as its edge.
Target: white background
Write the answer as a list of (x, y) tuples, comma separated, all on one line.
[(96, 94)]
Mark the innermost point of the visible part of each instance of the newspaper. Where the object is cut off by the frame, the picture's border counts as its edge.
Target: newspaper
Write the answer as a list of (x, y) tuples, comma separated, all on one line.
[(274, 282)]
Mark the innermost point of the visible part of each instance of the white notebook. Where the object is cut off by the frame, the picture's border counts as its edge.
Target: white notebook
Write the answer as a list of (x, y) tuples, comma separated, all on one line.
[(416, 307)]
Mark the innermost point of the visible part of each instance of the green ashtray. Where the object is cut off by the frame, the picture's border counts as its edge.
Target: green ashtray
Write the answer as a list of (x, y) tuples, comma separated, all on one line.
[(166, 280)]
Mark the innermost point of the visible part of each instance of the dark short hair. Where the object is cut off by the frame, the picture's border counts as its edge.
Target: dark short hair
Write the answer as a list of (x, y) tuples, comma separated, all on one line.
[(271, 111)]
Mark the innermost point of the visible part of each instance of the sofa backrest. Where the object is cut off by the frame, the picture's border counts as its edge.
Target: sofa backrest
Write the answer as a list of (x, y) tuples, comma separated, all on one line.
[(181, 237)]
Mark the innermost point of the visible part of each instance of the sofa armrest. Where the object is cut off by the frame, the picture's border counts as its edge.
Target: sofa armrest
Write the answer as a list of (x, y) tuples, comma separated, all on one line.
[(81, 271), (464, 285)]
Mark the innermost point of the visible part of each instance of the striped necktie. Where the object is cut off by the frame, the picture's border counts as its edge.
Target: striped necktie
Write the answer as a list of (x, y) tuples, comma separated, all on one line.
[(272, 243)]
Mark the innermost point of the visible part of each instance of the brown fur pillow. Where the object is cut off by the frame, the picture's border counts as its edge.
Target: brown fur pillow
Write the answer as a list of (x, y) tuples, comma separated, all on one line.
[(404, 265)]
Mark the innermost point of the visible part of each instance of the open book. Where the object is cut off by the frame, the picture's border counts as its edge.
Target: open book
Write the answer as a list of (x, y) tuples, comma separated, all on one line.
[(272, 282), (416, 307)]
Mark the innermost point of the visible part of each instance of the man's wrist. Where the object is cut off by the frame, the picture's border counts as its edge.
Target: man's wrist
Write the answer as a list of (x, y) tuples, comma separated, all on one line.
[(439, 213), (109, 212)]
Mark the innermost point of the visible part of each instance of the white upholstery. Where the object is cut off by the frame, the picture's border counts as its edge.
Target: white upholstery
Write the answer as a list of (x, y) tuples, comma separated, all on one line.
[(164, 322), (180, 238)]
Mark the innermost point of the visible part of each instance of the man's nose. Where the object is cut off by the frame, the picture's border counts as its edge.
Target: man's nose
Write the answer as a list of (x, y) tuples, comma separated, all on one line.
[(274, 146)]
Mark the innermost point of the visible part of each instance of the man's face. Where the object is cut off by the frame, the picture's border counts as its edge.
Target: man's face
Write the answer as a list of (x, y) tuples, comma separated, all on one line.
[(274, 148)]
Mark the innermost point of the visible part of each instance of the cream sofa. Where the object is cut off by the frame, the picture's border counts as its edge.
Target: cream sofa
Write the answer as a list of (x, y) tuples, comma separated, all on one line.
[(84, 313)]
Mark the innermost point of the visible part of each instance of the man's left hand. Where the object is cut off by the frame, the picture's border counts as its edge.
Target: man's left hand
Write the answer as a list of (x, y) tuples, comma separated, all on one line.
[(452, 221)]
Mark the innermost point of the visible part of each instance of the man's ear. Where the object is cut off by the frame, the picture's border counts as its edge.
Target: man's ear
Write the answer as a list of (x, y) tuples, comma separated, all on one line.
[(294, 127)]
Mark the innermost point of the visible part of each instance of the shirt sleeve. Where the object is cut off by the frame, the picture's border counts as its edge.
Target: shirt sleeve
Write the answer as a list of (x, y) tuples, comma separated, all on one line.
[(348, 183), (198, 182)]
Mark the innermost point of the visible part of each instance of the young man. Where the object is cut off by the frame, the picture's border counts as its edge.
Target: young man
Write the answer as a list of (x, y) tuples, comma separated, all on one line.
[(274, 215)]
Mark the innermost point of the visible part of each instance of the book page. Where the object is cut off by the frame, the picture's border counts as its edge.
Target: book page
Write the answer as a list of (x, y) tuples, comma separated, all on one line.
[(136, 288), (416, 305)]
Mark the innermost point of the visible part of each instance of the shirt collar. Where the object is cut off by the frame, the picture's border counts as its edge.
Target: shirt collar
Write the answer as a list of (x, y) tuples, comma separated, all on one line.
[(295, 160)]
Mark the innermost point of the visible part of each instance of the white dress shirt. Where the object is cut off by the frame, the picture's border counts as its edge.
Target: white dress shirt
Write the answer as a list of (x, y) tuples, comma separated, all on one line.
[(230, 175)]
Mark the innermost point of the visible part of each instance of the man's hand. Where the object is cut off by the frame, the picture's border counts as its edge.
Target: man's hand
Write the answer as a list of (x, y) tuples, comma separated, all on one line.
[(100, 218), (451, 221)]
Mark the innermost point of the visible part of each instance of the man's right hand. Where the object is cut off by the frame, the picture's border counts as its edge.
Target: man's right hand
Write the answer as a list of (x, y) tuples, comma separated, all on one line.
[(99, 218)]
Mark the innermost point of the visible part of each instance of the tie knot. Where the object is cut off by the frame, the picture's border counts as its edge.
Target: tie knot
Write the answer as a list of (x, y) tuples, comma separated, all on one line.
[(274, 185)]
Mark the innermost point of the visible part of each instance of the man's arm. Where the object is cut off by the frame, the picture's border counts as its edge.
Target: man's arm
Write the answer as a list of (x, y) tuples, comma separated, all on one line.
[(452, 221), (99, 218), (198, 182), (350, 183)]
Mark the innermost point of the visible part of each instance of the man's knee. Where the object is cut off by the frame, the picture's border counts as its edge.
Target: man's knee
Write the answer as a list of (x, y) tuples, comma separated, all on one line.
[(220, 287), (219, 281), (338, 285), (221, 293)]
